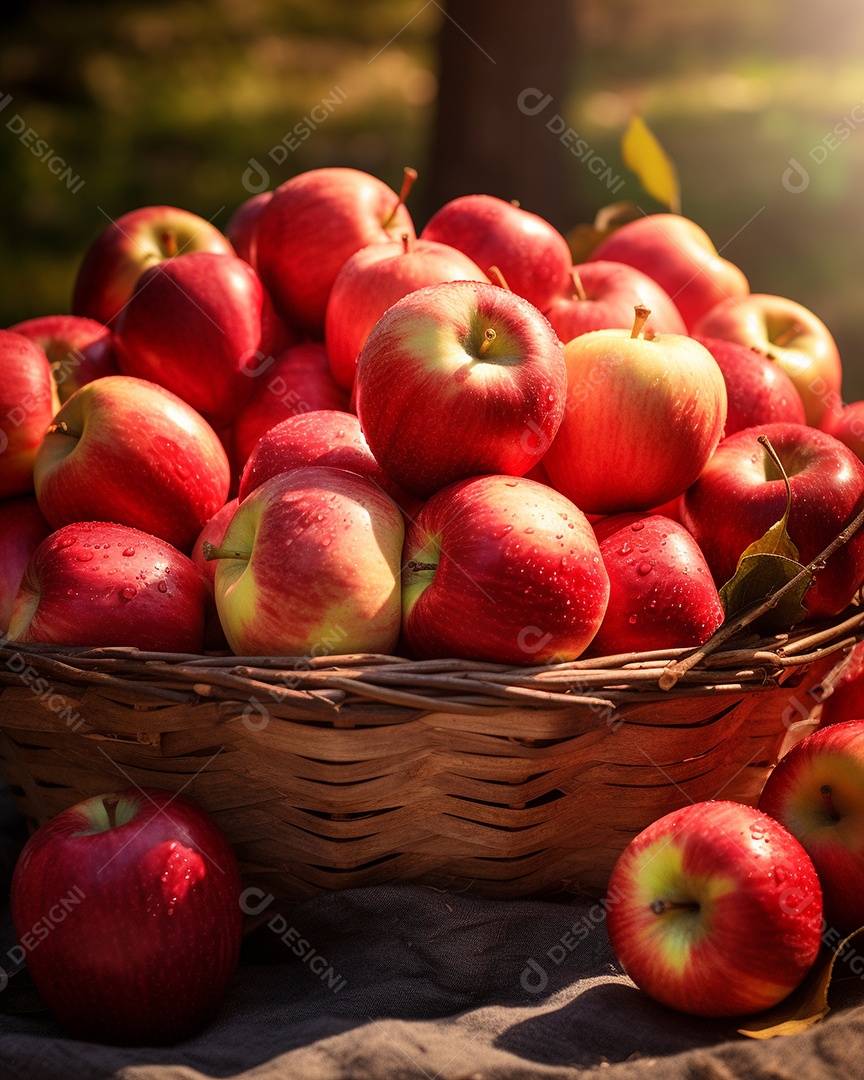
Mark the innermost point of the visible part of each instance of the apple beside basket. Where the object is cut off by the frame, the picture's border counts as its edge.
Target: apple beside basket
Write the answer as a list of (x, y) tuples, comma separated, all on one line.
[(349, 771)]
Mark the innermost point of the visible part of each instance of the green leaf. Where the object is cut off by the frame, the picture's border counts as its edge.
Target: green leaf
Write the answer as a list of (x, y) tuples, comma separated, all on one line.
[(643, 154), (804, 1007), (757, 577), (765, 566)]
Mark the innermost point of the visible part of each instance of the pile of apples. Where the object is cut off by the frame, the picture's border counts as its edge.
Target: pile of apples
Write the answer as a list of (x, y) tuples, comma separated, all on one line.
[(322, 433)]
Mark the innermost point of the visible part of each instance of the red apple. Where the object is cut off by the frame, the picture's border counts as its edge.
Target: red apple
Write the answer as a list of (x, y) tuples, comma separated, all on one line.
[(817, 792), (326, 438), (504, 569), (788, 333), (311, 226), (643, 416), (602, 296), (846, 423), (758, 390), (298, 381), (532, 255), (126, 450), (22, 530), (213, 533), (679, 256), (458, 380), (242, 227), (372, 280), (97, 583), (193, 325), (79, 350), (127, 907), (129, 246), (661, 594), (740, 495), (28, 401), (846, 700), (309, 566), (715, 910)]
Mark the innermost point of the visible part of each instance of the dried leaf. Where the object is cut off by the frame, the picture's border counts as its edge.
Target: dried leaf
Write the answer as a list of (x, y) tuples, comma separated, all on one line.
[(643, 154), (804, 1007), (583, 239)]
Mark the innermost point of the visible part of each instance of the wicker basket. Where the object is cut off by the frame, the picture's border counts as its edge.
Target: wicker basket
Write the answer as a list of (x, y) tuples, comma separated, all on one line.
[(353, 770)]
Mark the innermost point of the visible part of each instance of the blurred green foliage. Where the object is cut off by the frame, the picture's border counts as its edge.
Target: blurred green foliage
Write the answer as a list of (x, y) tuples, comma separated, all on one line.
[(155, 101)]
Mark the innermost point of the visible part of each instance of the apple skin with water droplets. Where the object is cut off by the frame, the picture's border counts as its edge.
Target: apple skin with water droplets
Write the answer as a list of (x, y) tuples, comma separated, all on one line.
[(661, 593), (101, 584), (127, 906)]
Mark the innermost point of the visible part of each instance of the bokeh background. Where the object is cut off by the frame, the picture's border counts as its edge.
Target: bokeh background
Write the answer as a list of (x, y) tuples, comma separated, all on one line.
[(182, 102)]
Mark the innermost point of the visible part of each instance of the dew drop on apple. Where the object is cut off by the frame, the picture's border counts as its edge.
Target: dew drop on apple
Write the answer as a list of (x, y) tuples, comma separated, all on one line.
[(645, 567), (632, 620), (128, 593), (757, 831), (84, 556), (67, 541), (162, 586), (637, 526), (129, 552)]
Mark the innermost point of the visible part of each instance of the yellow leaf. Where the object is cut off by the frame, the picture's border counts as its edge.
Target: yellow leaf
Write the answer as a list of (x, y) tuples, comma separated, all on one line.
[(644, 155)]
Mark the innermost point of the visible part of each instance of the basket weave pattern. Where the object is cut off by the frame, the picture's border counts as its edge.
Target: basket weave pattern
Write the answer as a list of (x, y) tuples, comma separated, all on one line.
[(342, 771)]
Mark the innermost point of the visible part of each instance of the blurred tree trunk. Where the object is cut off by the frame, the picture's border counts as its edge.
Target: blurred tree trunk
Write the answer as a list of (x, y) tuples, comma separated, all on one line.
[(498, 60)]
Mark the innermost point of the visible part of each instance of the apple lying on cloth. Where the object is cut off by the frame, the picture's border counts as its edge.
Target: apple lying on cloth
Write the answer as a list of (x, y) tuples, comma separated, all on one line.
[(459, 379), (817, 792), (644, 414), (715, 910), (309, 566), (127, 907), (127, 450), (501, 568), (98, 583)]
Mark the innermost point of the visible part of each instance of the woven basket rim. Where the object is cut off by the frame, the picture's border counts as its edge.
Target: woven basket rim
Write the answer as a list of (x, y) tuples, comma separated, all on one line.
[(323, 686)]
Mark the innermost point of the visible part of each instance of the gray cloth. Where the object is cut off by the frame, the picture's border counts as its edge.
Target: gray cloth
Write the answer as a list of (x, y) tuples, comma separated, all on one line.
[(417, 983)]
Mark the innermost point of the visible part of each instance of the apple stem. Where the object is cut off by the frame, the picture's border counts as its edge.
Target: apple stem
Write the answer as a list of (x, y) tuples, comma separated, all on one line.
[(772, 453), (825, 792), (579, 289), (416, 567), (497, 278), (169, 243), (111, 802), (660, 907), (211, 552), (787, 335), (641, 313), (409, 175), (61, 429), (488, 337), (407, 245)]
